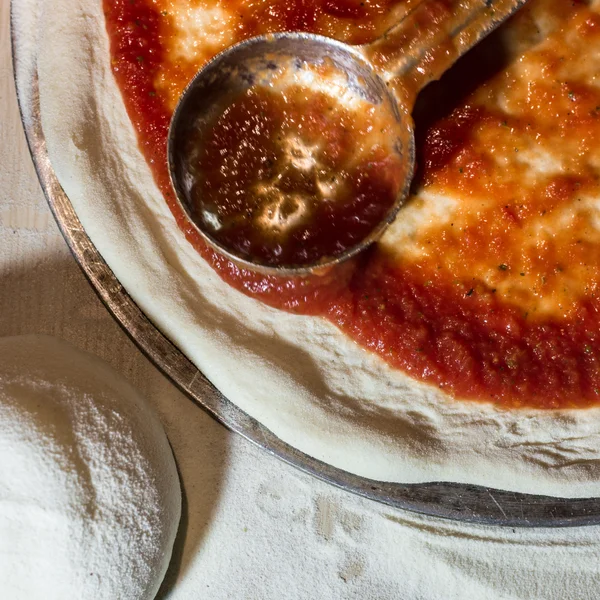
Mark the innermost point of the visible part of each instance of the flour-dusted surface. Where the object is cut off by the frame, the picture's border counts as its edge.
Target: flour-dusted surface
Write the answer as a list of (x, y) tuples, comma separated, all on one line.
[(299, 376), (254, 528), (89, 493)]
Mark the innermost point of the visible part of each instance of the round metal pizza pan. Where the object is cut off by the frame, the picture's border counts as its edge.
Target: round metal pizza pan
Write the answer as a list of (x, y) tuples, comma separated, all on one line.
[(449, 500)]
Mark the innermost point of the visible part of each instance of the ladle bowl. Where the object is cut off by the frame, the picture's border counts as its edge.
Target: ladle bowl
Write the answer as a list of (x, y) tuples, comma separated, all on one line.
[(387, 73)]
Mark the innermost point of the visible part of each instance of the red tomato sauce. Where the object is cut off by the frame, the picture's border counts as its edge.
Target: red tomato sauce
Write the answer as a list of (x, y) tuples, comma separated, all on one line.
[(429, 317), (291, 177)]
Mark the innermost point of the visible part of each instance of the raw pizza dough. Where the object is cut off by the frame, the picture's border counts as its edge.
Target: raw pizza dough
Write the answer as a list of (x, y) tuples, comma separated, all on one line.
[(89, 492), (299, 376)]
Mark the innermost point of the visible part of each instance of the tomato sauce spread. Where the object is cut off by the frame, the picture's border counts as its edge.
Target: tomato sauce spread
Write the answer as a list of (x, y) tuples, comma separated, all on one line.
[(487, 286), (287, 175)]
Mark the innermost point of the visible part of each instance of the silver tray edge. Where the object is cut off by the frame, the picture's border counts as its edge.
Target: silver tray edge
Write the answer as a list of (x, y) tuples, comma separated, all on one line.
[(456, 501)]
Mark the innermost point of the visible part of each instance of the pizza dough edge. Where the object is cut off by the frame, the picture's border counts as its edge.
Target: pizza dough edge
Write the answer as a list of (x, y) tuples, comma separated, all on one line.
[(284, 370)]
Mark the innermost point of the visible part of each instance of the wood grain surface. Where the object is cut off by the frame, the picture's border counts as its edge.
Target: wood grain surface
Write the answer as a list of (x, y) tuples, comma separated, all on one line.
[(253, 527)]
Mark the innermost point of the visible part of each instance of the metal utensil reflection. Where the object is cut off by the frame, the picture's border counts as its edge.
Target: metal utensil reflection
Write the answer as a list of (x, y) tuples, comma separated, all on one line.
[(388, 73)]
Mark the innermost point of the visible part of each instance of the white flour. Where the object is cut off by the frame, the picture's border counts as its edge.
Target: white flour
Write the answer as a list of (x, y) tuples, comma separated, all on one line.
[(256, 528), (299, 376), (89, 492), (278, 534)]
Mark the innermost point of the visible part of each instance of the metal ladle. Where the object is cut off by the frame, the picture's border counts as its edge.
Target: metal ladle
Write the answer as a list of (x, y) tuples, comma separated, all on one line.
[(388, 72)]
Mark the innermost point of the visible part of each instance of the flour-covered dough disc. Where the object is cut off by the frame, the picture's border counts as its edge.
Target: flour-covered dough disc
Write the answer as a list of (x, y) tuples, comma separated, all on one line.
[(89, 493)]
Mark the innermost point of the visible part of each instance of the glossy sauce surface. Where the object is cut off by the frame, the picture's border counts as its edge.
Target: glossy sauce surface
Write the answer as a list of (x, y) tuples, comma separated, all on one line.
[(491, 293), (288, 175)]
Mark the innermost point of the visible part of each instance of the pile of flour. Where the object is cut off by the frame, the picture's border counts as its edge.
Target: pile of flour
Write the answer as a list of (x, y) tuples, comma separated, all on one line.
[(89, 492), (258, 529)]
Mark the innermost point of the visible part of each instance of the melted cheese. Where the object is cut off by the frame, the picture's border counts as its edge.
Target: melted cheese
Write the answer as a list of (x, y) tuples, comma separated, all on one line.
[(524, 175), (195, 30)]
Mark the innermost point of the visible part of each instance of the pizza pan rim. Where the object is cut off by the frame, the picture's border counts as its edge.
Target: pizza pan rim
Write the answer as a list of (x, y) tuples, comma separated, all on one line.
[(448, 500)]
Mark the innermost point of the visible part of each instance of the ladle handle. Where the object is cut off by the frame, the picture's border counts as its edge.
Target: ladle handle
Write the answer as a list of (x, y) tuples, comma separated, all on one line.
[(431, 37)]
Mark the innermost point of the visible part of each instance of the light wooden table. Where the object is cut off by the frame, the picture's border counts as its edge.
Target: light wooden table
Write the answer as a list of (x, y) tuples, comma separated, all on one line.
[(253, 527)]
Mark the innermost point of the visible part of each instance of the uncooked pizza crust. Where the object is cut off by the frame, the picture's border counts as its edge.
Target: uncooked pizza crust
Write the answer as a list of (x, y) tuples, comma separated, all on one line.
[(299, 376), (89, 493)]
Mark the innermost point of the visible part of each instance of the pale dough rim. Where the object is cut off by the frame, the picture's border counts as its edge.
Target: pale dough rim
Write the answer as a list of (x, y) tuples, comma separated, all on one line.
[(299, 376)]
